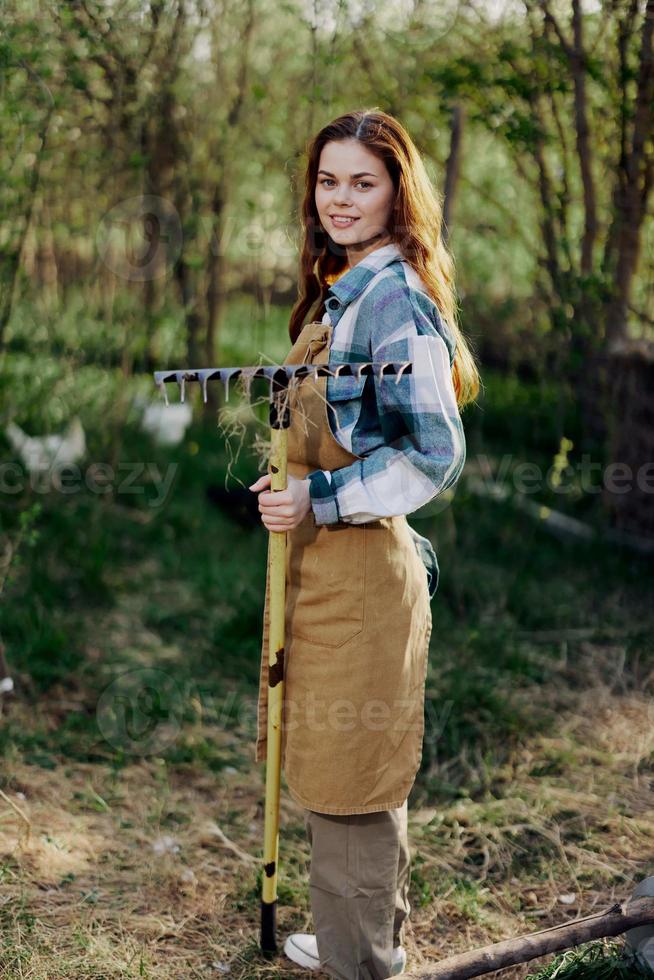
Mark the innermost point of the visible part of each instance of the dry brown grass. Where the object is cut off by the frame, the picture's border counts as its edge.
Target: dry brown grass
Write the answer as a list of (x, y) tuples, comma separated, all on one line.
[(151, 870)]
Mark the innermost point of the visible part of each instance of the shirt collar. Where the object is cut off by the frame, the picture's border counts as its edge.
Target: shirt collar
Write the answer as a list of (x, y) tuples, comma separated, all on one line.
[(352, 283)]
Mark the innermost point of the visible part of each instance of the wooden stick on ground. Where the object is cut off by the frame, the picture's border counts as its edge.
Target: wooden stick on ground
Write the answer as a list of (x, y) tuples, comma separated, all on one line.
[(614, 921)]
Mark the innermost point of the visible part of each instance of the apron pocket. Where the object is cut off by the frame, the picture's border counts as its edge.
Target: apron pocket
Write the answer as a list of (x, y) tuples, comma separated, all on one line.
[(325, 583)]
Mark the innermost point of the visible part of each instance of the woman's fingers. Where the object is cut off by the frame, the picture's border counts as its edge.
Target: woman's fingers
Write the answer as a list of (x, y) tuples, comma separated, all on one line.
[(277, 517), (274, 524), (276, 506), (275, 500), (263, 481), (271, 498), (273, 511)]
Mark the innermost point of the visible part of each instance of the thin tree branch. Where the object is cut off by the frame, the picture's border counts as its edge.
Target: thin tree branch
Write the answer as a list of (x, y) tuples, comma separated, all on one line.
[(477, 962)]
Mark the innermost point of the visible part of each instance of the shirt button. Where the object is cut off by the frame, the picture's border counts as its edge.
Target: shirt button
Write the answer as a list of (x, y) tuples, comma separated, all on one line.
[(332, 303)]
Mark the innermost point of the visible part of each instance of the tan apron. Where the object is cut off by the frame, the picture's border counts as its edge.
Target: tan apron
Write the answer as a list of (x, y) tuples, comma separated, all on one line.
[(358, 624)]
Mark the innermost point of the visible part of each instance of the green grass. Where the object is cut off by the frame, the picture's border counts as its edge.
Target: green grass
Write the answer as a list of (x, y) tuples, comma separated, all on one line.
[(605, 960), (102, 585), (200, 576)]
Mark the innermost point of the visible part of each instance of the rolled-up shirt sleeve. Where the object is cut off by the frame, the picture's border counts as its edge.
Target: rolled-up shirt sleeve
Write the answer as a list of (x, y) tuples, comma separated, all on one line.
[(424, 447)]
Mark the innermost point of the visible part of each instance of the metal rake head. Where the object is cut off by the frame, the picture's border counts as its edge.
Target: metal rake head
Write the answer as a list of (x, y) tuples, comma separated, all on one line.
[(279, 376)]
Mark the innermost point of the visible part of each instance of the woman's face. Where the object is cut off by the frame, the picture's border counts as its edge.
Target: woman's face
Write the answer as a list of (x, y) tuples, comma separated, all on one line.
[(354, 183)]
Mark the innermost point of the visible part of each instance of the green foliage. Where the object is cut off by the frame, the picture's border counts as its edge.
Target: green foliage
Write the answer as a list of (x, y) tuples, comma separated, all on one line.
[(604, 960), (190, 579), (524, 415)]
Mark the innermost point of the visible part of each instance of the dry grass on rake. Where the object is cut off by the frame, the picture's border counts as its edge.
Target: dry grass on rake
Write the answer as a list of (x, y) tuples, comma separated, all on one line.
[(152, 871)]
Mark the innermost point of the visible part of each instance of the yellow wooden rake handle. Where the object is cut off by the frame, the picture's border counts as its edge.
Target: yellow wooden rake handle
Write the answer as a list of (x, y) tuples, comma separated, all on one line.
[(277, 604)]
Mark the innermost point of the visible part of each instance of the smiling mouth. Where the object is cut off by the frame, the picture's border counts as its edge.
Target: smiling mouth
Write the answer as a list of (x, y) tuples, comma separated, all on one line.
[(342, 222)]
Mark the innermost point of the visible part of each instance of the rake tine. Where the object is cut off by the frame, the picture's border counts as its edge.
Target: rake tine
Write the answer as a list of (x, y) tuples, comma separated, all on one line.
[(272, 371)]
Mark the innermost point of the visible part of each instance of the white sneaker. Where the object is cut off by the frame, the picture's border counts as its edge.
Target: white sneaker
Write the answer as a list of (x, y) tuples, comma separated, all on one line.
[(302, 948), (399, 960)]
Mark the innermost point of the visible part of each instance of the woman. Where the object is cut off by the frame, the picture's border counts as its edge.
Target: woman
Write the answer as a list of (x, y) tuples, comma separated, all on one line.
[(363, 453)]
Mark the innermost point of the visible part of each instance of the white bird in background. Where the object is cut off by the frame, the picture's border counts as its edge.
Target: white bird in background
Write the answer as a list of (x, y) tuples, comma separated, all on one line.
[(40, 453), (6, 682), (166, 424)]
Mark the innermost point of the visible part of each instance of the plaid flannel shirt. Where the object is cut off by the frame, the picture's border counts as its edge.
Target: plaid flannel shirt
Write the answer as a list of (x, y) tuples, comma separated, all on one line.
[(408, 432)]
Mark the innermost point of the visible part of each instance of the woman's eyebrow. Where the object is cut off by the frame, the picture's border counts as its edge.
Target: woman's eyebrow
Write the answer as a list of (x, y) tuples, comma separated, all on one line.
[(352, 176)]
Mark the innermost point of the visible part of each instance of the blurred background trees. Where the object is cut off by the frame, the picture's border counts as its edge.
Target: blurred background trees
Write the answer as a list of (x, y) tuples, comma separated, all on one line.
[(151, 168), (152, 151), (151, 163)]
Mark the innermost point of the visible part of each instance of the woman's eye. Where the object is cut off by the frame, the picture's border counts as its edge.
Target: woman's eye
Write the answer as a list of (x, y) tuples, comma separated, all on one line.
[(362, 183)]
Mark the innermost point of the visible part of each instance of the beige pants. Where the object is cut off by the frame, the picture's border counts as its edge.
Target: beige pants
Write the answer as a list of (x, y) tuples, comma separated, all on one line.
[(359, 888)]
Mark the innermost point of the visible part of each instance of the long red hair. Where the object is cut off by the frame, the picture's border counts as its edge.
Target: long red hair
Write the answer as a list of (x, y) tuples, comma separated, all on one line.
[(415, 227)]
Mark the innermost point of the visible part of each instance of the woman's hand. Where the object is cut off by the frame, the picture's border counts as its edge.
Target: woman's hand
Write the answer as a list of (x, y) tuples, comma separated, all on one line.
[(282, 510)]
